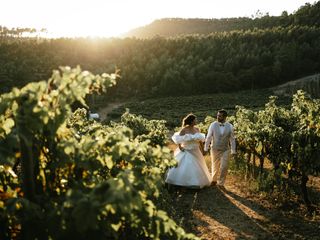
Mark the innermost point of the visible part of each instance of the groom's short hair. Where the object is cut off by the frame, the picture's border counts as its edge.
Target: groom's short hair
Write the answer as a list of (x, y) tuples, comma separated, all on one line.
[(223, 112)]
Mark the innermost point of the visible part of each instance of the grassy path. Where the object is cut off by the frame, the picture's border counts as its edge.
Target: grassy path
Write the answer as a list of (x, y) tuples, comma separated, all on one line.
[(103, 112), (236, 213)]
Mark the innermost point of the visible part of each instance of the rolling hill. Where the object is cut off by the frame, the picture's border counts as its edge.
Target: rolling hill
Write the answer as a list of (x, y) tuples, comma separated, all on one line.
[(309, 14)]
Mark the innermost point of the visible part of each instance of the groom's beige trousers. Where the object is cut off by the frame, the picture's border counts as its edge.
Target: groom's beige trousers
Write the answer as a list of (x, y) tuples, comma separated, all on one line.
[(219, 165)]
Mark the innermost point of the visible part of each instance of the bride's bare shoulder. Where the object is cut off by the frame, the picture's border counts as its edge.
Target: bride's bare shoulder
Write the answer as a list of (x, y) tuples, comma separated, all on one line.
[(187, 130), (182, 132)]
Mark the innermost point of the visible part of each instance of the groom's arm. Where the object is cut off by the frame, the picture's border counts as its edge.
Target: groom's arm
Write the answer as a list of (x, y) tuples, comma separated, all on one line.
[(232, 141), (201, 147), (208, 138)]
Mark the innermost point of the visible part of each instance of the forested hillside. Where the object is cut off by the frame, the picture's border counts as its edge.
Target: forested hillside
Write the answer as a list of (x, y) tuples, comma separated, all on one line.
[(193, 64)]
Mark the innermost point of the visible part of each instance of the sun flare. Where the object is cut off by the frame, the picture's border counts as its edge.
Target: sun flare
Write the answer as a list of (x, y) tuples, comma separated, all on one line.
[(93, 23), (85, 28)]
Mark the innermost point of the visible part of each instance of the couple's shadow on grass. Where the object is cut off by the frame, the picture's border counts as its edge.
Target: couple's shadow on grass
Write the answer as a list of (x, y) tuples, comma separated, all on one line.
[(246, 219), (214, 203)]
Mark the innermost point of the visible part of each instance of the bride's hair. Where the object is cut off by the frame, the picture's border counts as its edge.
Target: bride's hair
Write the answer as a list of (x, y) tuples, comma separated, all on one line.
[(188, 119)]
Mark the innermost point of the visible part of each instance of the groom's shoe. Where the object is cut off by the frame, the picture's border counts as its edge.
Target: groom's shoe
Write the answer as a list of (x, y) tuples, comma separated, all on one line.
[(213, 183)]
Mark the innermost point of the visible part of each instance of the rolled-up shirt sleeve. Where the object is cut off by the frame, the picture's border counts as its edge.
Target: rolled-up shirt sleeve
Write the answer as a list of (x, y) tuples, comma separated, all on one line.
[(208, 138)]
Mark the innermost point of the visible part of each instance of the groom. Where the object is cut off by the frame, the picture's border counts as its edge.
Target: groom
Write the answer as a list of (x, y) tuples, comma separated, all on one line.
[(221, 137)]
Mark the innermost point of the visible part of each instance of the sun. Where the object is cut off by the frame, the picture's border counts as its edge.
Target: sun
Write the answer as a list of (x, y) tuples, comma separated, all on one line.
[(89, 19), (88, 27)]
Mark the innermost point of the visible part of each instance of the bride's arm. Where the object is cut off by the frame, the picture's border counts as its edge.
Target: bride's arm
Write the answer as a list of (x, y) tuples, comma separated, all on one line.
[(182, 132)]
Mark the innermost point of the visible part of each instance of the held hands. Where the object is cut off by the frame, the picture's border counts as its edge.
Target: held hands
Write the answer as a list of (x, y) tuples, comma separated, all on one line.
[(181, 149)]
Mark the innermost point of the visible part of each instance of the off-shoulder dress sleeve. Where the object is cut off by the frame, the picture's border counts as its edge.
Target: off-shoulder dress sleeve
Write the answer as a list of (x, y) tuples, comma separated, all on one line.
[(178, 139)]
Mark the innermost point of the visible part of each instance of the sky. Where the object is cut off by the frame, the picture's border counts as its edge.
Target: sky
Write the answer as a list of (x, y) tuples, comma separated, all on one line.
[(105, 18)]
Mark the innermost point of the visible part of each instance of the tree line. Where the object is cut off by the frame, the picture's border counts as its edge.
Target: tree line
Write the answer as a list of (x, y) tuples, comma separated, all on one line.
[(186, 65)]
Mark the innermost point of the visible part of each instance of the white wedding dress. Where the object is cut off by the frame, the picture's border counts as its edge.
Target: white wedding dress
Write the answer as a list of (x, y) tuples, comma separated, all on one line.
[(191, 170)]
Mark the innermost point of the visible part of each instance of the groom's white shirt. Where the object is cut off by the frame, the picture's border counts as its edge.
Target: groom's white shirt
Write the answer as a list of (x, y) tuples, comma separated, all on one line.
[(220, 137)]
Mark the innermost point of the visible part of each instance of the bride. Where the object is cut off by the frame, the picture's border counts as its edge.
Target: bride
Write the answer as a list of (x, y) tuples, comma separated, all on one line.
[(191, 170)]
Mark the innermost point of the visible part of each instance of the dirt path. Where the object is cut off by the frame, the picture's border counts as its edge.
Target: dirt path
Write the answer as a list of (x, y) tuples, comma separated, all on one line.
[(103, 112), (235, 213)]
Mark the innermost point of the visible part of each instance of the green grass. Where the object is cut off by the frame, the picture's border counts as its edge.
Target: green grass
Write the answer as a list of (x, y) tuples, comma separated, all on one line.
[(173, 109)]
